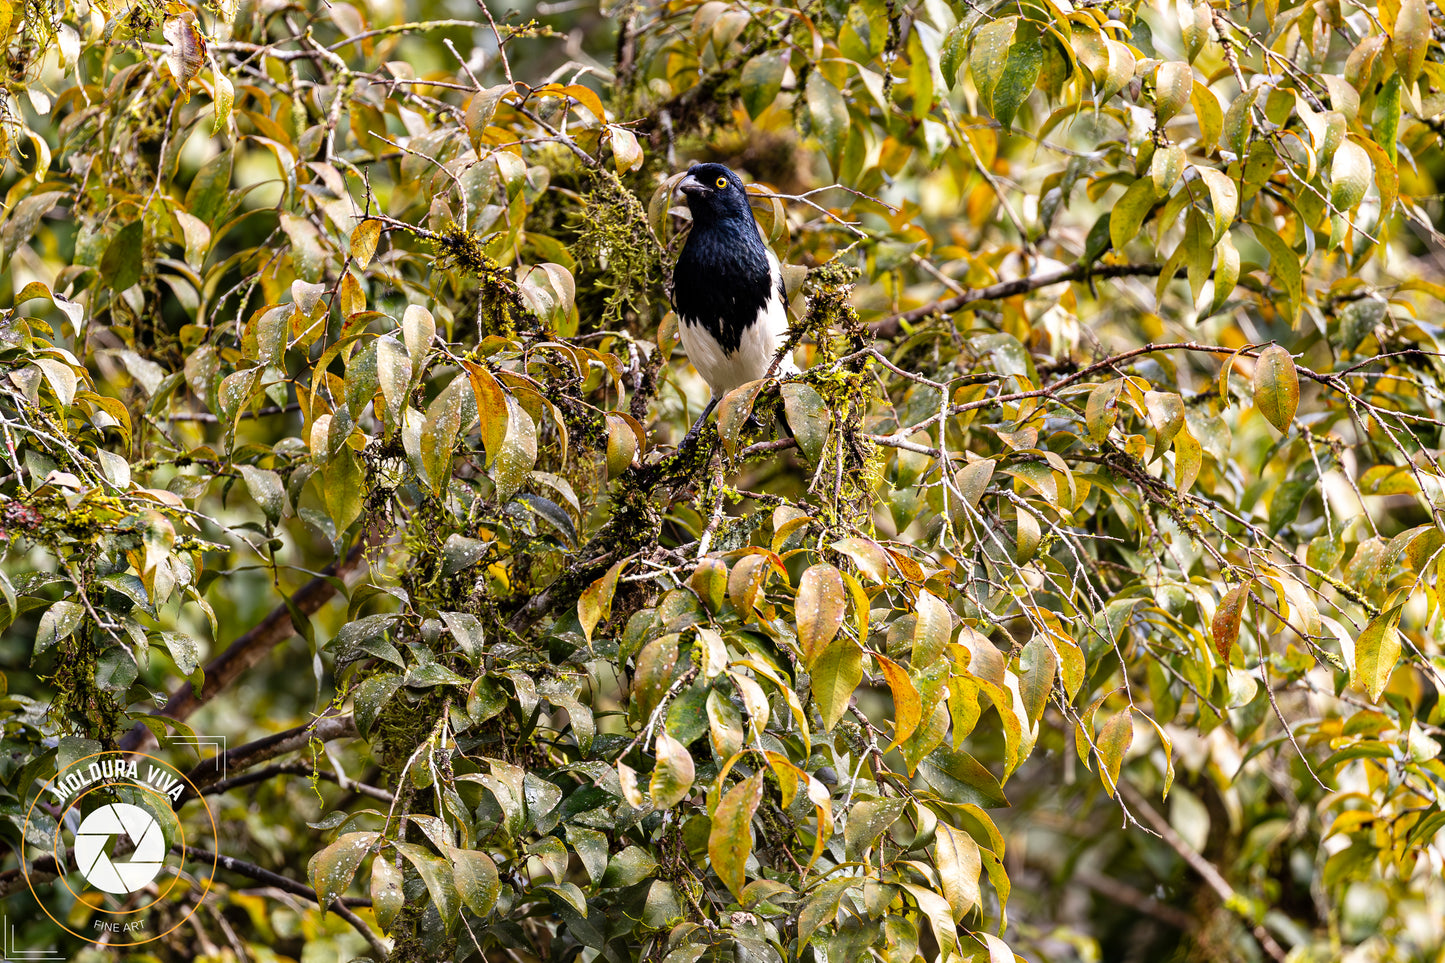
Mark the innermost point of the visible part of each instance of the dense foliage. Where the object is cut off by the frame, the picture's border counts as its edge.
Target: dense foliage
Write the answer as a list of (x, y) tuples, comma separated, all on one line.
[(1089, 608)]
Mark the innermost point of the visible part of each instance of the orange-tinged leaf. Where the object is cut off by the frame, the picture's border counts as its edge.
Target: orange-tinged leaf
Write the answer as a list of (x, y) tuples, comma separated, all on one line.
[(626, 151), (492, 408), (1113, 742), (731, 841), (907, 706), (595, 602), (820, 607), (363, 241), (709, 581), (733, 412), (1188, 458), (1276, 386), (1225, 627), (972, 480)]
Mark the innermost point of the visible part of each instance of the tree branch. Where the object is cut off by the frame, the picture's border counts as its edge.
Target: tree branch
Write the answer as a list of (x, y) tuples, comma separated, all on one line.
[(286, 884), (208, 772), (891, 325), (1207, 871), (298, 767)]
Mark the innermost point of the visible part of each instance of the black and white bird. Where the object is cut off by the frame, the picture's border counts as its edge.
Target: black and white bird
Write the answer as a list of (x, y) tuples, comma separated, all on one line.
[(727, 288)]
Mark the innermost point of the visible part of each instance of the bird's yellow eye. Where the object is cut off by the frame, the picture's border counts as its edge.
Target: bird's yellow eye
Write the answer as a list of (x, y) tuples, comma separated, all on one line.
[(722, 182)]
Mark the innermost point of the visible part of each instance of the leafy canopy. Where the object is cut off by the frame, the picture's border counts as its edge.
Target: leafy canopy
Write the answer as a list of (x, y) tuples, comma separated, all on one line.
[(1102, 560)]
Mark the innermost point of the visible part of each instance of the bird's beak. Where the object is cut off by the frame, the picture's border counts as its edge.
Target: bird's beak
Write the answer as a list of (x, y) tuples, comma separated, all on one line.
[(690, 186)]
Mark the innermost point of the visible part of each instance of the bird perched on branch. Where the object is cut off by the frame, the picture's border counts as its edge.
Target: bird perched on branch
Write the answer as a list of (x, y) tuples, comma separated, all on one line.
[(727, 288)]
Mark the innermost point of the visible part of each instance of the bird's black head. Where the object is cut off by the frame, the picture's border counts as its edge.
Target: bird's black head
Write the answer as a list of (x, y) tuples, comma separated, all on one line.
[(714, 193)]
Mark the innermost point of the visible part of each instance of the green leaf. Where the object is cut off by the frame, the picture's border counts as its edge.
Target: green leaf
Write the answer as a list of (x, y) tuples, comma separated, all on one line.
[(655, 666), (1101, 410), (733, 412), (761, 80), (1020, 74), (1377, 653), (932, 629), (1226, 271), (989, 55), (1410, 38), (835, 677), (266, 488), (1239, 122), (867, 820), (518, 452), (1037, 668), (332, 870), (120, 266), (476, 879), (1284, 264), (387, 897), (436, 873), (829, 113), (730, 842), (809, 418), (1224, 199), (1128, 215), (1276, 386), (1166, 417), (955, 50), (57, 623)]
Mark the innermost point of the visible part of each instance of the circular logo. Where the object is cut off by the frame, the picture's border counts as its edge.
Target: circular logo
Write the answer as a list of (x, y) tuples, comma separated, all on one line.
[(109, 837), (105, 827)]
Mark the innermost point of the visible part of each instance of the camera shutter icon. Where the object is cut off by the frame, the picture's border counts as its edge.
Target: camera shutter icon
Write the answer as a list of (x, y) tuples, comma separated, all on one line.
[(126, 874)]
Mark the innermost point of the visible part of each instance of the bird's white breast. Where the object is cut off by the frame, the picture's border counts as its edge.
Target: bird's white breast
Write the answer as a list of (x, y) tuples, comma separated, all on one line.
[(760, 341)]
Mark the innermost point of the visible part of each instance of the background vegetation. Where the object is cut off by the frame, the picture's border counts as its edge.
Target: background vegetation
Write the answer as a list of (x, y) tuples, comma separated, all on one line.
[(1090, 611)]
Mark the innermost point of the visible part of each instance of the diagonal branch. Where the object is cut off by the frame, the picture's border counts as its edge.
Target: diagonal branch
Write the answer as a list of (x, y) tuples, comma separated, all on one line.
[(288, 885), (1206, 870)]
